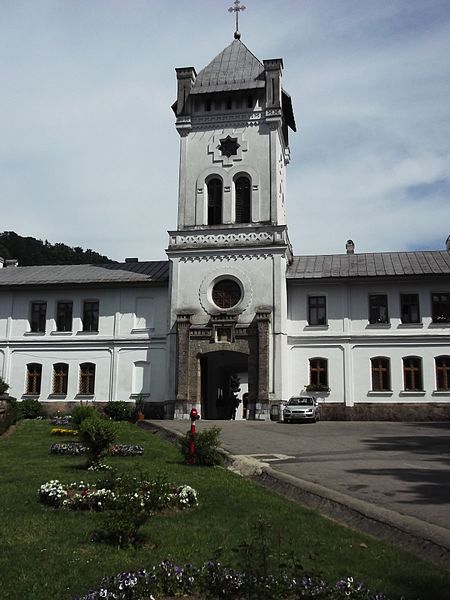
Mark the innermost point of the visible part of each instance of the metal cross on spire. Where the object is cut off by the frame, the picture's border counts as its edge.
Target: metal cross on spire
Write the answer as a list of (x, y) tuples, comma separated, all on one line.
[(236, 9)]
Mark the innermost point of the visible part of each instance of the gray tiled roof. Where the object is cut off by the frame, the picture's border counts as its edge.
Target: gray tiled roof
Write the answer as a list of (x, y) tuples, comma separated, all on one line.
[(235, 68), (114, 273), (380, 264)]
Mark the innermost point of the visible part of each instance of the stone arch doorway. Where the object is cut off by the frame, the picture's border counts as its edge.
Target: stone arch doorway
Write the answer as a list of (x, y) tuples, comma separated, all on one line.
[(226, 337), (224, 381)]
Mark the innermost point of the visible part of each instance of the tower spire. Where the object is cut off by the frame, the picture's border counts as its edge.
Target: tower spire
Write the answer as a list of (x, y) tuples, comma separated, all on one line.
[(237, 8)]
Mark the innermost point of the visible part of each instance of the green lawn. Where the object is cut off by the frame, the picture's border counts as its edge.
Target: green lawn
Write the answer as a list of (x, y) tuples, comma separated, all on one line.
[(45, 554)]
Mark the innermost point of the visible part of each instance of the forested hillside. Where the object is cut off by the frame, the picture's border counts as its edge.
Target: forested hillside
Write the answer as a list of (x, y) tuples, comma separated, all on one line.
[(30, 251)]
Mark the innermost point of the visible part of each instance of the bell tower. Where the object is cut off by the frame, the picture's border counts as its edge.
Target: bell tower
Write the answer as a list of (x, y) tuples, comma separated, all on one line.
[(231, 248)]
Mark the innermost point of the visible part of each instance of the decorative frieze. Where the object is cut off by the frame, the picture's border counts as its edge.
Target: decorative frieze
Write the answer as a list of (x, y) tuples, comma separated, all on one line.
[(229, 258)]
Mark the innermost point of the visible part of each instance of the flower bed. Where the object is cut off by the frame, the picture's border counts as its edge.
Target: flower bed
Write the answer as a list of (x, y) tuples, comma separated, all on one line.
[(213, 580), (63, 431), (61, 420), (126, 450), (76, 448), (145, 495)]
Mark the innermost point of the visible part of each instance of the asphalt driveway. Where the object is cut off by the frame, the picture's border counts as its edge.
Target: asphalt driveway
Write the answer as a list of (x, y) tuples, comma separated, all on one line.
[(404, 467)]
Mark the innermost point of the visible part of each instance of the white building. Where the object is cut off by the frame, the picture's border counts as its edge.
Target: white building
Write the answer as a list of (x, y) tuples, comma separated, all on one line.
[(368, 332)]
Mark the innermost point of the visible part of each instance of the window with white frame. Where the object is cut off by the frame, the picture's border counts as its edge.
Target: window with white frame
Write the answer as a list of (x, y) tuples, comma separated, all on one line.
[(90, 315), (60, 379), (412, 374), (215, 190), (442, 364), (440, 307), (87, 379), (318, 372), (381, 374), (33, 379), (38, 317), (378, 309), (317, 310)]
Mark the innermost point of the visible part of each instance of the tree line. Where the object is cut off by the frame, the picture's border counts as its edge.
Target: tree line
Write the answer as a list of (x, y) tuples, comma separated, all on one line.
[(31, 251)]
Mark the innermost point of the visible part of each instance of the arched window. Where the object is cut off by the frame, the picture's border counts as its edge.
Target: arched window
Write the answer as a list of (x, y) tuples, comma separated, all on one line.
[(412, 374), (60, 378), (34, 377), (381, 374), (87, 379), (243, 200), (442, 373), (318, 372), (214, 187)]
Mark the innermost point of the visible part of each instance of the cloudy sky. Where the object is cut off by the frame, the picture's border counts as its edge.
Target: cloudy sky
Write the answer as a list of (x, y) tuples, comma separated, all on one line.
[(89, 152)]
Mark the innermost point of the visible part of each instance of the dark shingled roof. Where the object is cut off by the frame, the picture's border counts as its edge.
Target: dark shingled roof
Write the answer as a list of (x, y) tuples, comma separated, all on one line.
[(380, 264), (235, 68), (114, 273)]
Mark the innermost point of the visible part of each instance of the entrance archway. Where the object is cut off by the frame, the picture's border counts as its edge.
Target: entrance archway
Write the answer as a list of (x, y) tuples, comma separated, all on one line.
[(224, 381)]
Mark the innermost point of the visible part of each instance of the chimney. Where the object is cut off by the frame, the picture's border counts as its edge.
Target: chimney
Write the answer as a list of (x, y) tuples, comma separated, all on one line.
[(350, 247), (447, 244), (11, 262), (132, 260), (185, 80), (273, 68)]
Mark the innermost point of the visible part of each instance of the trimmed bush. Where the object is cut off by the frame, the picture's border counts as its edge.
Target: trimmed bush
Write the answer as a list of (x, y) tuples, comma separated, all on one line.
[(10, 416), (82, 412), (30, 408), (118, 410), (4, 387), (98, 434), (207, 444)]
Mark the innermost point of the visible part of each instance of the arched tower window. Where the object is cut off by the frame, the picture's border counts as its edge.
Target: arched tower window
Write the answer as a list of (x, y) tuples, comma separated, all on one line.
[(243, 199), (214, 187)]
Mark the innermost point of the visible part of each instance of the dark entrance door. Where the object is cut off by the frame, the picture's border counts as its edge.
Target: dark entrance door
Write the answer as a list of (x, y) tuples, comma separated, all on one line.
[(224, 381)]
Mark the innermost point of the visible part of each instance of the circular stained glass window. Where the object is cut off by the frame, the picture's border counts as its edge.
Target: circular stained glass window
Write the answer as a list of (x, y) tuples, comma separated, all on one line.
[(226, 293)]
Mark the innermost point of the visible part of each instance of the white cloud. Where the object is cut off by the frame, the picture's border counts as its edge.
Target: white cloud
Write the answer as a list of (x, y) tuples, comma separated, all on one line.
[(89, 152)]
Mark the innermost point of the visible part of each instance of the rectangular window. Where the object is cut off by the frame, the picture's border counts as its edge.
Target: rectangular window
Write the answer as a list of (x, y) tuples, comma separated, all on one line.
[(381, 376), (87, 379), (409, 306), (412, 374), (317, 310), (318, 373), (378, 309), (443, 373), (34, 378), (60, 379), (64, 316), (37, 317), (440, 305), (90, 315)]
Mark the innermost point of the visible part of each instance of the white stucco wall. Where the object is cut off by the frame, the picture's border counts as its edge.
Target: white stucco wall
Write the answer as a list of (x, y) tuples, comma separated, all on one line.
[(348, 341), (131, 337)]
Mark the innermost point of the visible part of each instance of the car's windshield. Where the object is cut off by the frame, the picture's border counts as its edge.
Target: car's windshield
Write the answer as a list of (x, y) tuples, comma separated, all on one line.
[(301, 402)]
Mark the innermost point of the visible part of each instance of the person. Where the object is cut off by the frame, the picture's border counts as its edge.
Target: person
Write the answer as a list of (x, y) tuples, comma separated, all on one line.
[(244, 405)]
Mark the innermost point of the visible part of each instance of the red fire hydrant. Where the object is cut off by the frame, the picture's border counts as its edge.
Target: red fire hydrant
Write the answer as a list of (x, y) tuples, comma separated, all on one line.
[(194, 416)]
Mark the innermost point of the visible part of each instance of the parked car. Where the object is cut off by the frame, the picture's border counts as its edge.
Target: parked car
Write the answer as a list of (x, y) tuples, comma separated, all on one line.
[(301, 408)]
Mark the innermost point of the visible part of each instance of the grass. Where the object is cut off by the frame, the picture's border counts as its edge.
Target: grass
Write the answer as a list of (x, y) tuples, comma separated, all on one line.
[(46, 554)]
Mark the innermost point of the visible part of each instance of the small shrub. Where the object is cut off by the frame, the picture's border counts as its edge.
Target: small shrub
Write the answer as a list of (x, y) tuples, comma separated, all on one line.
[(4, 387), (118, 410), (207, 444), (135, 500), (98, 434), (30, 408), (82, 412), (10, 416)]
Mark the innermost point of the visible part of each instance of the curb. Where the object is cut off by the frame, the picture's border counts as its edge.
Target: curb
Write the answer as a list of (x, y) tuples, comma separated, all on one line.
[(423, 539)]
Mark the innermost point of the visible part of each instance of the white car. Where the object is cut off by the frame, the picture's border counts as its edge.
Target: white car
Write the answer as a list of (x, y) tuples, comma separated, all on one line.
[(301, 408)]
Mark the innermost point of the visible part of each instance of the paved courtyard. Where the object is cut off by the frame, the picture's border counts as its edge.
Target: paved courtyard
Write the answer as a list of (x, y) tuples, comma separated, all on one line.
[(401, 466)]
